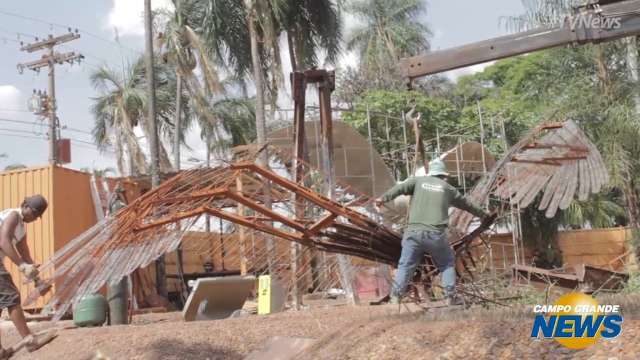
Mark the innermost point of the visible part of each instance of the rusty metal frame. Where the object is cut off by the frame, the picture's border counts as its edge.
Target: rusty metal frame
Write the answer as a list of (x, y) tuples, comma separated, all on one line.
[(154, 224)]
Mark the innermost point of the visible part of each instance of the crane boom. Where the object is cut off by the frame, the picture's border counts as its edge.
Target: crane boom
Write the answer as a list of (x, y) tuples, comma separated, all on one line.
[(596, 22)]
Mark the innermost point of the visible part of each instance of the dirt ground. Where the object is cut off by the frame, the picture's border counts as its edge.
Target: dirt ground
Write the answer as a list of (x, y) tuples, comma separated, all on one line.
[(342, 332)]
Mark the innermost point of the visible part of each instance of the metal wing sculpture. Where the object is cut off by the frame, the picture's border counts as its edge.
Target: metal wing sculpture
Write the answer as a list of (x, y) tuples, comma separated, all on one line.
[(555, 159)]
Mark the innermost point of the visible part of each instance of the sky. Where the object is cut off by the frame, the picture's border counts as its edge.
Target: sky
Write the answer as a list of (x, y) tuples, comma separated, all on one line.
[(102, 22)]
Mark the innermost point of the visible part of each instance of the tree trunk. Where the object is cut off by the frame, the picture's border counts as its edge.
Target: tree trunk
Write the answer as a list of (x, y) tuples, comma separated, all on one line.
[(178, 123), (632, 65), (261, 126), (603, 71), (120, 157), (292, 52), (629, 186), (161, 281)]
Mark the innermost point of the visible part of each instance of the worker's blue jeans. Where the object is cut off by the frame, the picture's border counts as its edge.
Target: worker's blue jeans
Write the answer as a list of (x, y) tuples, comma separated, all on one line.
[(414, 244)]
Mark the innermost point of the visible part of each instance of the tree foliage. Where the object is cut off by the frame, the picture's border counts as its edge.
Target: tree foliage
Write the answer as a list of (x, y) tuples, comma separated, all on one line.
[(391, 29), (121, 106), (385, 109)]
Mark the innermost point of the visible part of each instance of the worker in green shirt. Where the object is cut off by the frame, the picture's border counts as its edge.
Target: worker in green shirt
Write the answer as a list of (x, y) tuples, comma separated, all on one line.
[(426, 231)]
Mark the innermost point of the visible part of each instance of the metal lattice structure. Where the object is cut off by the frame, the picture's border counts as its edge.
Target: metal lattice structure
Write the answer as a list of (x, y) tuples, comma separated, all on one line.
[(155, 223), (555, 159)]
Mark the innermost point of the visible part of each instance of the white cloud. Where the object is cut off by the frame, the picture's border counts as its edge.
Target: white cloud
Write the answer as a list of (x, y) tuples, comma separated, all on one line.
[(127, 15), (469, 70), (10, 97)]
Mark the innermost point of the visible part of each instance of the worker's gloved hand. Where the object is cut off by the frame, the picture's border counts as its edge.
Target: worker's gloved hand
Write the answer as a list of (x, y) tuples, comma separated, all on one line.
[(490, 217), (30, 271), (378, 203)]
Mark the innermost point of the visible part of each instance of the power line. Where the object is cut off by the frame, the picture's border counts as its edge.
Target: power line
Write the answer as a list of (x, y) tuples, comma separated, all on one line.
[(62, 127), (15, 110), (23, 136), (51, 23), (22, 122), (31, 132), (78, 143), (18, 33), (83, 142), (18, 131), (86, 54), (108, 152), (41, 124), (7, 39)]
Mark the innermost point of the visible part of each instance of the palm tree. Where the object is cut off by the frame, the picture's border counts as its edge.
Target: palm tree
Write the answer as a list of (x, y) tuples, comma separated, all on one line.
[(599, 212), (255, 8), (392, 29), (243, 36), (121, 106), (185, 49), (311, 27), (116, 113), (539, 13), (238, 119)]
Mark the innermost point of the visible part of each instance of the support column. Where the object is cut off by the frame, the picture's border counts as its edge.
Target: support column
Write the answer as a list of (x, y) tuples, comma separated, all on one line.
[(242, 235), (298, 86), (326, 86)]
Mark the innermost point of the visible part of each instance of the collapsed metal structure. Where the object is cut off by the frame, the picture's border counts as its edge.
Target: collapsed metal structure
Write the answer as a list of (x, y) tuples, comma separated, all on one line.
[(155, 222), (556, 158)]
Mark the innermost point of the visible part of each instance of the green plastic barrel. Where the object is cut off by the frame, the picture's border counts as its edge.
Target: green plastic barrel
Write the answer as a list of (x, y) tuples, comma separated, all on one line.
[(91, 311)]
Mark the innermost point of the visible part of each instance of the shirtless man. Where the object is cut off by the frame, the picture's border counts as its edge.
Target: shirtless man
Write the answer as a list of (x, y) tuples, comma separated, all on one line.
[(13, 245)]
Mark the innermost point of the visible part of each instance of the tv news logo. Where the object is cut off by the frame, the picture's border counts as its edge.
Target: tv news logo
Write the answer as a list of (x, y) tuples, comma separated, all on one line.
[(577, 321), (594, 22)]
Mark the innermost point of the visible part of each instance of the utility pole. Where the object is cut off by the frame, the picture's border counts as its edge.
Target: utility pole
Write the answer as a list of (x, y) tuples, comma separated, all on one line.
[(161, 280), (50, 59)]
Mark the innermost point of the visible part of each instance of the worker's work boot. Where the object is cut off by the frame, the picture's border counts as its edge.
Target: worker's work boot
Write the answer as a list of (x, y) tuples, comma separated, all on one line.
[(394, 300), (454, 300), (6, 353)]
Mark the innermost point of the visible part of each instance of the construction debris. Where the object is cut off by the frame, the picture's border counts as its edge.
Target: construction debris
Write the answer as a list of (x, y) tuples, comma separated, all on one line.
[(556, 159), (155, 223), (587, 278), (217, 298)]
